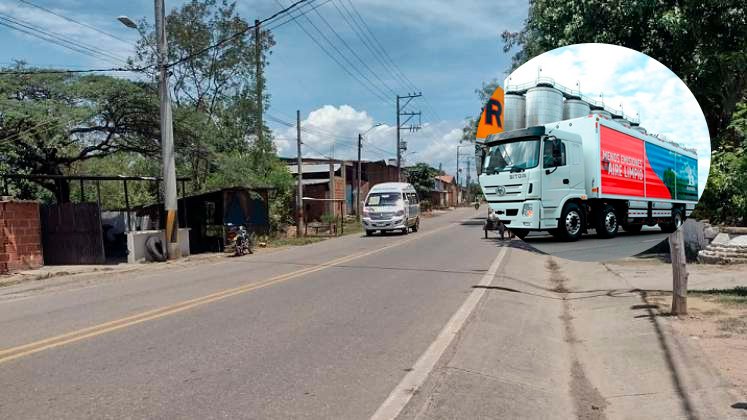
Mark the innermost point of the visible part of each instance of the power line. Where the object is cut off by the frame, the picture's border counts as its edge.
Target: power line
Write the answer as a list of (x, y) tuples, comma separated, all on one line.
[(301, 12), (64, 71), (237, 34), (75, 21), (57, 39), (355, 54), (334, 58), (397, 70)]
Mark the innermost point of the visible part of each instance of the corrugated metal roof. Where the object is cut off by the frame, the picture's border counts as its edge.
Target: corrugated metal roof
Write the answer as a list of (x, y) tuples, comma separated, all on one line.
[(314, 181), (312, 169)]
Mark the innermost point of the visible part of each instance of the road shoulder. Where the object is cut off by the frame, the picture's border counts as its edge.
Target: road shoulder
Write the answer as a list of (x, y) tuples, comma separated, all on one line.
[(562, 339)]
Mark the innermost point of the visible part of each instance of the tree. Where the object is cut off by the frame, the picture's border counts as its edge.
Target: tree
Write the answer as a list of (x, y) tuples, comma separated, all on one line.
[(213, 92), (421, 176), (704, 43), (48, 122)]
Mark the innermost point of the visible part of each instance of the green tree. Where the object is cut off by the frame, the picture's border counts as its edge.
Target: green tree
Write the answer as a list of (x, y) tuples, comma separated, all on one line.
[(49, 122), (704, 43), (213, 92), (421, 176)]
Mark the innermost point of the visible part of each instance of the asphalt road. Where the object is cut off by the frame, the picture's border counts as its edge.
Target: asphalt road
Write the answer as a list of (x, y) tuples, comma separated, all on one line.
[(321, 331), (592, 248)]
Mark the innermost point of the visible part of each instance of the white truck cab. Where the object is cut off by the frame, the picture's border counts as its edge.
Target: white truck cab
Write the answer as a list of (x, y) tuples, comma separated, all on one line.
[(587, 172), (391, 206)]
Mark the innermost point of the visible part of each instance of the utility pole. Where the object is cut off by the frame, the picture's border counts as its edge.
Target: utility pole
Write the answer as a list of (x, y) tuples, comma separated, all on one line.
[(679, 272), (468, 178), (299, 198), (401, 126), (167, 138), (358, 187), (258, 73)]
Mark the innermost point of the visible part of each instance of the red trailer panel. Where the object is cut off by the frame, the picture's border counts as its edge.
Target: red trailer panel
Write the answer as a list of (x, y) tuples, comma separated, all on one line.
[(622, 162)]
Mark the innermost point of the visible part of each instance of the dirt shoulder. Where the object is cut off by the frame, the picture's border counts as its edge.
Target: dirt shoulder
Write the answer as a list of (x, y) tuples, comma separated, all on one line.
[(717, 324)]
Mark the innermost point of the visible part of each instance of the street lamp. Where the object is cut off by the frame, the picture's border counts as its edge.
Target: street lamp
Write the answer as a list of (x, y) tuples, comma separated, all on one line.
[(358, 188), (167, 132)]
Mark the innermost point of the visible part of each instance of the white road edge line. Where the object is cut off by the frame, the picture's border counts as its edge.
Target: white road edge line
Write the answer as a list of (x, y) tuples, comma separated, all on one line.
[(403, 392)]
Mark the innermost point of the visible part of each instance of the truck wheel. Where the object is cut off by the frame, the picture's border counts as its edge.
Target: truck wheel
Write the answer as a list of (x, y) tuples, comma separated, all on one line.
[(632, 228), (607, 225), (677, 220), (520, 233), (571, 223)]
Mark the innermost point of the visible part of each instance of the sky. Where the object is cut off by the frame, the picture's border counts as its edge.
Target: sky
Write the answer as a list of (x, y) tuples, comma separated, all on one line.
[(444, 50), (632, 81)]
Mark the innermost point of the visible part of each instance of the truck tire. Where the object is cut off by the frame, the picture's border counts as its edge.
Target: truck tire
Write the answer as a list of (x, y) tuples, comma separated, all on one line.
[(520, 233), (571, 223), (675, 223), (606, 222)]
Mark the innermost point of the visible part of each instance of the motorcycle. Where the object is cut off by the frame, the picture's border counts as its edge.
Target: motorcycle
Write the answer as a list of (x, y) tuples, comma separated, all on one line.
[(238, 238)]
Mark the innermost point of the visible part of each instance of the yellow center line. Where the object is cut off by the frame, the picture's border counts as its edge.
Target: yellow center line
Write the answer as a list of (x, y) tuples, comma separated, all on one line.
[(16, 352)]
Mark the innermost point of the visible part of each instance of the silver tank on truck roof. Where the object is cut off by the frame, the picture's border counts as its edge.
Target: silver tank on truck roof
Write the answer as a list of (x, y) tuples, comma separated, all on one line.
[(575, 108), (514, 115), (544, 105)]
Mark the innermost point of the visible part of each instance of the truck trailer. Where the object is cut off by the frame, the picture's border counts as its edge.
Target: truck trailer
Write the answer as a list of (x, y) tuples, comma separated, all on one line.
[(586, 173)]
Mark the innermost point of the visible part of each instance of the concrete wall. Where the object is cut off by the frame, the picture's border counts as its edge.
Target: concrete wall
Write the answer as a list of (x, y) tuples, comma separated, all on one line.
[(136, 251), (20, 236)]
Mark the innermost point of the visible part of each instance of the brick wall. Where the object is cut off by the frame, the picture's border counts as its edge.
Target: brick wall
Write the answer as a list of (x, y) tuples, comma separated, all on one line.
[(20, 236)]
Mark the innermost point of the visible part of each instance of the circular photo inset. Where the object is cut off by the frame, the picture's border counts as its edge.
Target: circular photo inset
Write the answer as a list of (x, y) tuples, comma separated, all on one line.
[(604, 152)]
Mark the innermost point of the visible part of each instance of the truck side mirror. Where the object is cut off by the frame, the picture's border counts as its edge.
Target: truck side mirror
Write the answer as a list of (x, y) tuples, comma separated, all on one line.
[(480, 155)]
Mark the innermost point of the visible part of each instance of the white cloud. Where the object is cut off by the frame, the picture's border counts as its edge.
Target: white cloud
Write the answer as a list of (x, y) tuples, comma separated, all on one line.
[(70, 31), (633, 81), (338, 127)]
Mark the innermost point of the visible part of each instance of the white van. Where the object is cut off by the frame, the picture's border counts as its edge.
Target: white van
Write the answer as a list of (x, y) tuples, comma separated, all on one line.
[(391, 206)]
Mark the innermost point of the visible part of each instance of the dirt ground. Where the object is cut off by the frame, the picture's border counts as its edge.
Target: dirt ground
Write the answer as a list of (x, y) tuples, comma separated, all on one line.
[(717, 321)]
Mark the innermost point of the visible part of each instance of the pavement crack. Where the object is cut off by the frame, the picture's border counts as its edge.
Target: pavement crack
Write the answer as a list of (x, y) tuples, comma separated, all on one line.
[(587, 400)]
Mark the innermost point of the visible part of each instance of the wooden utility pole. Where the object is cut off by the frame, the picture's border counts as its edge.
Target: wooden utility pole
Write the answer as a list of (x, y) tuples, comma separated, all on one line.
[(679, 273), (299, 198), (358, 184), (258, 75), (331, 204)]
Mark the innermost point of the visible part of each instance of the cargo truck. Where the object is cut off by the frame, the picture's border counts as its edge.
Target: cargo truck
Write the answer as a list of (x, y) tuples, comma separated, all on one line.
[(570, 176)]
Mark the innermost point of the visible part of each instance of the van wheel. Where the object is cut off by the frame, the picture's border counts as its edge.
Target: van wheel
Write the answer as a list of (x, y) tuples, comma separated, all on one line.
[(606, 222), (406, 230), (571, 223), (677, 220), (369, 232)]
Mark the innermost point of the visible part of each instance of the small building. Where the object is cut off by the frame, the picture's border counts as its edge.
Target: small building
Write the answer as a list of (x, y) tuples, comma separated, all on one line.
[(344, 184), (207, 213), (450, 188)]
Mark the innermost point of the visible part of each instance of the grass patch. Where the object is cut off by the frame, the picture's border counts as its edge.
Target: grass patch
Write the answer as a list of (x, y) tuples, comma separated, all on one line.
[(306, 240), (733, 325), (736, 296)]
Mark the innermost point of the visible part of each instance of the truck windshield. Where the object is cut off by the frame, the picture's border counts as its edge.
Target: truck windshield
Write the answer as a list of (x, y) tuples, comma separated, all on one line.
[(383, 199), (515, 155)]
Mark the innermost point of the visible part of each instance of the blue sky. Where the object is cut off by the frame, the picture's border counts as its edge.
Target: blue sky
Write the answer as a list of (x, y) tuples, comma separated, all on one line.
[(631, 81), (446, 50)]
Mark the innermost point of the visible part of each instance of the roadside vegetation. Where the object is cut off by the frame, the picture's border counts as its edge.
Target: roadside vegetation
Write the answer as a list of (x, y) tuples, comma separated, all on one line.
[(704, 43), (68, 124)]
